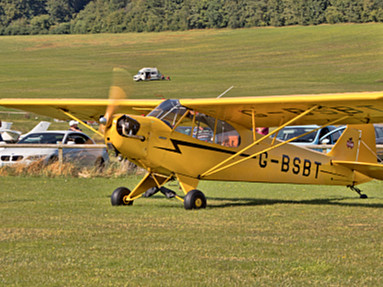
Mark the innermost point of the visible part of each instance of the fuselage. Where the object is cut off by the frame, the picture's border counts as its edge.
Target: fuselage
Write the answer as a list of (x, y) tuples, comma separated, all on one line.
[(167, 149)]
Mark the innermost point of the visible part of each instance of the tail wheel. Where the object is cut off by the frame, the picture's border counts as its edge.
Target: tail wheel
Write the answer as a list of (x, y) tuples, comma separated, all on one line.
[(119, 196), (194, 199)]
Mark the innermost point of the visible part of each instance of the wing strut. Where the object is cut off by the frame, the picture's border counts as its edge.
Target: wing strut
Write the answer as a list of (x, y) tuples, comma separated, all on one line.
[(253, 124), (81, 122), (219, 167)]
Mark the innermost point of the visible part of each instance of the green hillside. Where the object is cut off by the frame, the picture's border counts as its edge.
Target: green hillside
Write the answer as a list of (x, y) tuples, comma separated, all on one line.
[(201, 63)]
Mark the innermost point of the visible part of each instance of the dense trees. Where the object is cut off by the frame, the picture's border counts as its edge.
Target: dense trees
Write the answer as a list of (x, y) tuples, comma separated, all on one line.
[(98, 16)]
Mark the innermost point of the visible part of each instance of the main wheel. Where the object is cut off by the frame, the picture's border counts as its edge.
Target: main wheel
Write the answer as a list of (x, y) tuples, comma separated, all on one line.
[(119, 196), (194, 199)]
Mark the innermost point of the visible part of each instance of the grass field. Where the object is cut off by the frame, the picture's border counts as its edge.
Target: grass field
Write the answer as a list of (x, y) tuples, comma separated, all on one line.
[(64, 232), (258, 61)]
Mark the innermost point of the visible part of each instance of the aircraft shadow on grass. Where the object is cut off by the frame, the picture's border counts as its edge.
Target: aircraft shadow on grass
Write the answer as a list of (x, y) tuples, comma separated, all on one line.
[(230, 202)]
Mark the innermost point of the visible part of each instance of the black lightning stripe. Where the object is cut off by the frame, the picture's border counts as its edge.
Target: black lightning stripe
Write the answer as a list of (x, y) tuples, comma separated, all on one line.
[(178, 143)]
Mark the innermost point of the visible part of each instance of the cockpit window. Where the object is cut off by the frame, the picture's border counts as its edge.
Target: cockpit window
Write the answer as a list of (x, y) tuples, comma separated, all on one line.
[(195, 124), (169, 111)]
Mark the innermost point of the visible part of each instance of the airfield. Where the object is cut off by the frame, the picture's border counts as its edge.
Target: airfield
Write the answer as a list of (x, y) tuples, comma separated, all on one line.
[(62, 231)]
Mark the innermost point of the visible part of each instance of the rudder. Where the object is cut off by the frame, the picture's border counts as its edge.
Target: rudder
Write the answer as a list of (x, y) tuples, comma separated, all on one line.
[(356, 144)]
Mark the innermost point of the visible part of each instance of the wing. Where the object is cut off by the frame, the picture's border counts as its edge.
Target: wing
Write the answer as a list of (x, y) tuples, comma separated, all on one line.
[(268, 111), (272, 111), (84, 109)]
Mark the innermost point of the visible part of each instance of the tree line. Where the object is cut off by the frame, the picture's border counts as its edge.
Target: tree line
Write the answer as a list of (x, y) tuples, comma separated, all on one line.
[(24, 17)]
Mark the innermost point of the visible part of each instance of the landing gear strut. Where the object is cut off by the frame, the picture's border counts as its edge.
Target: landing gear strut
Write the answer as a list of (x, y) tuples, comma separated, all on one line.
[(353, 188)]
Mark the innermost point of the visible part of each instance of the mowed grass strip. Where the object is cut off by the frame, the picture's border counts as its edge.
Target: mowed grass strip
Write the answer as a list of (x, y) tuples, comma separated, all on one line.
[(64, 232)]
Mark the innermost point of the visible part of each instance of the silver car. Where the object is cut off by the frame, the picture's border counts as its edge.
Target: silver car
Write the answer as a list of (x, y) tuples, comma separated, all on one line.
[(80, 156)]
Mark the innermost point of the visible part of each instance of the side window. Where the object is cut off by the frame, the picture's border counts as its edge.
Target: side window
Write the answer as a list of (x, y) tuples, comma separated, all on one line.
[(204, 128), (226, 135), (208, 129), (323, 132), (336, 135), (78, 139), (379, 132)]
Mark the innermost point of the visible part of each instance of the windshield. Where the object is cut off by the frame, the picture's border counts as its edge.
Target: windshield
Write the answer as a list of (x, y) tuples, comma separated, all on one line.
[(169, 111), (292, 132), (42, 138)]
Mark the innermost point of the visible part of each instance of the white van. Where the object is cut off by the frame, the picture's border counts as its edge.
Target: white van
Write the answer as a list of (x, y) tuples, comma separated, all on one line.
[(148, 74)]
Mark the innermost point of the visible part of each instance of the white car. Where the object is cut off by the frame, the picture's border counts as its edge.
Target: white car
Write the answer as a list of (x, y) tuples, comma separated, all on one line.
[(323, 135), (82, 156)]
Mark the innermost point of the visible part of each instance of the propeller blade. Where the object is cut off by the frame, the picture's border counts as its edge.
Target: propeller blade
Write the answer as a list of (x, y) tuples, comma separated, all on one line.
[(119, 90)]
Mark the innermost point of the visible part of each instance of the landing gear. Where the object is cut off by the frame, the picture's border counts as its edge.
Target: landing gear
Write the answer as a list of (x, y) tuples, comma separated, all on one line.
[(353, 188), (165, 191), (194, 199), (153, 183), (119, 196)]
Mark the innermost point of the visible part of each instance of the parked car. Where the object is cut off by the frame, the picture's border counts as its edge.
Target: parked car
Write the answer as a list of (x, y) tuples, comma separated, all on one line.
[(326, 135), (82, 156)]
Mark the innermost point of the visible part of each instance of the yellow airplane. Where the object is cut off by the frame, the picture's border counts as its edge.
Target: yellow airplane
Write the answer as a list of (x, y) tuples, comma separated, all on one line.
[(215, 139)]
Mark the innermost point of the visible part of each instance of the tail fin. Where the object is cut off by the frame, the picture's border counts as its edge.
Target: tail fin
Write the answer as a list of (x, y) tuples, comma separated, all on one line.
[(356, 150), (40, 127), (357, 143)]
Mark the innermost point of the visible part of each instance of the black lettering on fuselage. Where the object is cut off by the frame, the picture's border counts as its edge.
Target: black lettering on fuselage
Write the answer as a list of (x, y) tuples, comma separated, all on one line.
[(317, 164), (306, 167), (298, 166), (263, 162), (285, 163)]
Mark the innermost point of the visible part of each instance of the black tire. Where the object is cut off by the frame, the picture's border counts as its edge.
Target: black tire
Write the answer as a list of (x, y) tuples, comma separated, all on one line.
[(100, 164), (52, 159), (194, 199), (118, 195)]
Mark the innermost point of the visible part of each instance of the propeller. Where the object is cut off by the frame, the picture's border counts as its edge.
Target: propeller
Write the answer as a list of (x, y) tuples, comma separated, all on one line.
[(119, 90)]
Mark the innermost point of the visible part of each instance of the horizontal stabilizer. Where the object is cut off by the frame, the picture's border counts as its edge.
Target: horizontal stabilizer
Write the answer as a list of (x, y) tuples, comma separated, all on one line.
[(373, 170)]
